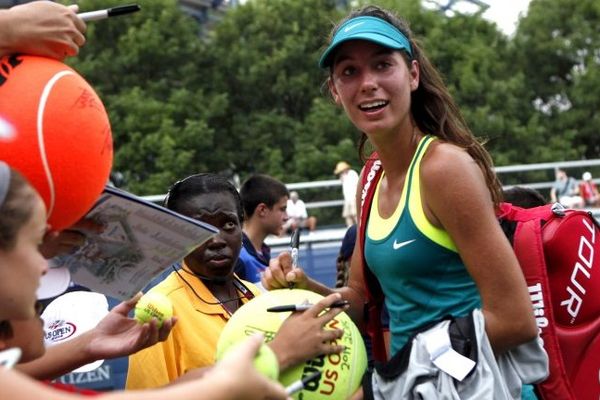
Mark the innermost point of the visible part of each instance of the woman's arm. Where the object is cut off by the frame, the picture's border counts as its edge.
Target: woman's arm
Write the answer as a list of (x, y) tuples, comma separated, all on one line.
[(456, 198), (233, 378), (116, 335)]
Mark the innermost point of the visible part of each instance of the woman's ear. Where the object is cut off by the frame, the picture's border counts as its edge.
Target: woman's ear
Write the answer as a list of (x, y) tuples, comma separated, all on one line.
[(415, 73), (333, 91)]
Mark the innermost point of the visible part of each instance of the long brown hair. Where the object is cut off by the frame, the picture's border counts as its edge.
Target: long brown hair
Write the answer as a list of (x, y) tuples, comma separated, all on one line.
[(16, 209), (432, 107)]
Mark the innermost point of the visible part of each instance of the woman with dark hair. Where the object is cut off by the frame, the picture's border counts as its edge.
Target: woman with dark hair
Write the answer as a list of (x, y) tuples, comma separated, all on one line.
[(205, 292), (428, 233)]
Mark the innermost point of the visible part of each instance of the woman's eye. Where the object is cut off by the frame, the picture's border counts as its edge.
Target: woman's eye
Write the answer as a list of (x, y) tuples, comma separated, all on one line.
[(383, 65), (347, 71)]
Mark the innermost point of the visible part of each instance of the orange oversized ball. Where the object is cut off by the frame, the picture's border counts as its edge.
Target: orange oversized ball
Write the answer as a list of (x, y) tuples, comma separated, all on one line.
[(62, 142)]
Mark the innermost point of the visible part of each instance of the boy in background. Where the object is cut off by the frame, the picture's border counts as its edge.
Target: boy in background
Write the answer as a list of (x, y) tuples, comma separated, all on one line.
[(265, 201)]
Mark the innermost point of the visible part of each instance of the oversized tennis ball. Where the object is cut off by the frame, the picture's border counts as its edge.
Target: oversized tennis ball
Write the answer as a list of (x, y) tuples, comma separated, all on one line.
[(153, 305), (341, 374), (61, 141)]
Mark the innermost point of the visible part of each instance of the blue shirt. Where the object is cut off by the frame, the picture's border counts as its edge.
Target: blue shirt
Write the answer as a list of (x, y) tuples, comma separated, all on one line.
[(251, 263)]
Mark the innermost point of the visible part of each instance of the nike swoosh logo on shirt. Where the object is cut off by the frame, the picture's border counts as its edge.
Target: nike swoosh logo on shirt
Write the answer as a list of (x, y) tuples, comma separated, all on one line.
[(397, 245), (348, 28)]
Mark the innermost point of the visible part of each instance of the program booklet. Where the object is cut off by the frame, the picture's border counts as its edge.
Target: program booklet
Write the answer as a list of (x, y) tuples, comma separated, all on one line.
[(140, 240)]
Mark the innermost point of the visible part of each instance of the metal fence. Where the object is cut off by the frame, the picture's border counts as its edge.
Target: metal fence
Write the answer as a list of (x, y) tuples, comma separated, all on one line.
[(573, 168), (319, 249), (333, 237)]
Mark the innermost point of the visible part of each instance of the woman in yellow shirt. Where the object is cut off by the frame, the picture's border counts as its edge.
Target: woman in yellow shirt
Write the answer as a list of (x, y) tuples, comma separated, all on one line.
[(205, 293)]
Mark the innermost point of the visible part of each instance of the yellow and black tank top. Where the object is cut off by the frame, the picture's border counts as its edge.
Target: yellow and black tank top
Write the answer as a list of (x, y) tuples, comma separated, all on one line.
[(417, 264)]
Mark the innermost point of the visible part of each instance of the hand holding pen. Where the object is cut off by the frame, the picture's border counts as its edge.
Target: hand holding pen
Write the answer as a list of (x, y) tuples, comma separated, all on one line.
[(308, 334), (284, 272)]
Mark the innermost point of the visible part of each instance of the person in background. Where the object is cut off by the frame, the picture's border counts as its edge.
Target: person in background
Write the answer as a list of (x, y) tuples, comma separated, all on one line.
[(297, 215), (41, 28), (565, 190), (428, 233), (349, 179), (523, 197), (22, 228), (264, 200), (205, 293), (589, 191)]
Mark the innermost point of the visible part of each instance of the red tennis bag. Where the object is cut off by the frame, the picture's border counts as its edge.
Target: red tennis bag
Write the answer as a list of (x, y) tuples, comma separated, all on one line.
[(559, 252)]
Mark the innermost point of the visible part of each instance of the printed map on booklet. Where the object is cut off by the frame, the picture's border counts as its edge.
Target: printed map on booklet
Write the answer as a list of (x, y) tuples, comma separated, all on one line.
[(140, 240)]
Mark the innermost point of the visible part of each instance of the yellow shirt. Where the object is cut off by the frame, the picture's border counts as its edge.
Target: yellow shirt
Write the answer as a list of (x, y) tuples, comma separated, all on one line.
[(192, 342)]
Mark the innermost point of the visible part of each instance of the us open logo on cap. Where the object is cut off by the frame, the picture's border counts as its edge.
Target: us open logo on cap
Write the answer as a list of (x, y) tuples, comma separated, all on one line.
[(60, 330)]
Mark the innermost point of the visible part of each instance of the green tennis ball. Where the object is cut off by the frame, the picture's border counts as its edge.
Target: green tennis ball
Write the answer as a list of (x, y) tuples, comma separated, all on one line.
[(266, 362), (153, 305)]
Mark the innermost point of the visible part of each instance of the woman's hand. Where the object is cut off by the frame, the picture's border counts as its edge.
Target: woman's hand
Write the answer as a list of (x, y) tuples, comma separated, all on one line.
[(304, 335), (118, 335)]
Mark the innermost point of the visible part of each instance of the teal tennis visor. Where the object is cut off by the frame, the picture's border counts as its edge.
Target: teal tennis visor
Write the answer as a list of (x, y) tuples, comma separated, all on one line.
[(368, 28)]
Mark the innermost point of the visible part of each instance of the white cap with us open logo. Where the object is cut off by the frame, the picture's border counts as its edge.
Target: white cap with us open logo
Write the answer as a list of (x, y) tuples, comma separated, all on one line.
[(72, 314)]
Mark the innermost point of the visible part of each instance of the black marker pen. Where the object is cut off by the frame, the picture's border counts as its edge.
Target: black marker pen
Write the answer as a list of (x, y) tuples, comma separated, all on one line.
[(109, 12), (304, 306), (301, 383)]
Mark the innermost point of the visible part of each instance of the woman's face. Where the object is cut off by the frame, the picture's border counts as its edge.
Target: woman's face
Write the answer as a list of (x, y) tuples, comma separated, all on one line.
[(217, 256), (373, 84), (22, 266)]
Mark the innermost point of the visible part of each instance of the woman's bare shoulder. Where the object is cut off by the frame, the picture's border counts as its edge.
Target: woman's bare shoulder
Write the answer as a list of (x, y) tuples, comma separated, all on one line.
[(444, 161)]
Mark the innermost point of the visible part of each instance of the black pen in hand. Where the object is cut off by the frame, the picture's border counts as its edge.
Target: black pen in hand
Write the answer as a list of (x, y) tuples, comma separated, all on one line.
[(109, 12), (294, 245), (305, 306)]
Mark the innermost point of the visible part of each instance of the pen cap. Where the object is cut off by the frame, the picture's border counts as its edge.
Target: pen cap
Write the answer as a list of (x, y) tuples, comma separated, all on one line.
[(341, 374), (295, 239)]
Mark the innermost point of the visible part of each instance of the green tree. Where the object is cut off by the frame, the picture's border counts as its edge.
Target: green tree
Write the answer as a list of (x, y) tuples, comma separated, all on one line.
[(557, 46), (264, 56), (146, 68), (247, 95)]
